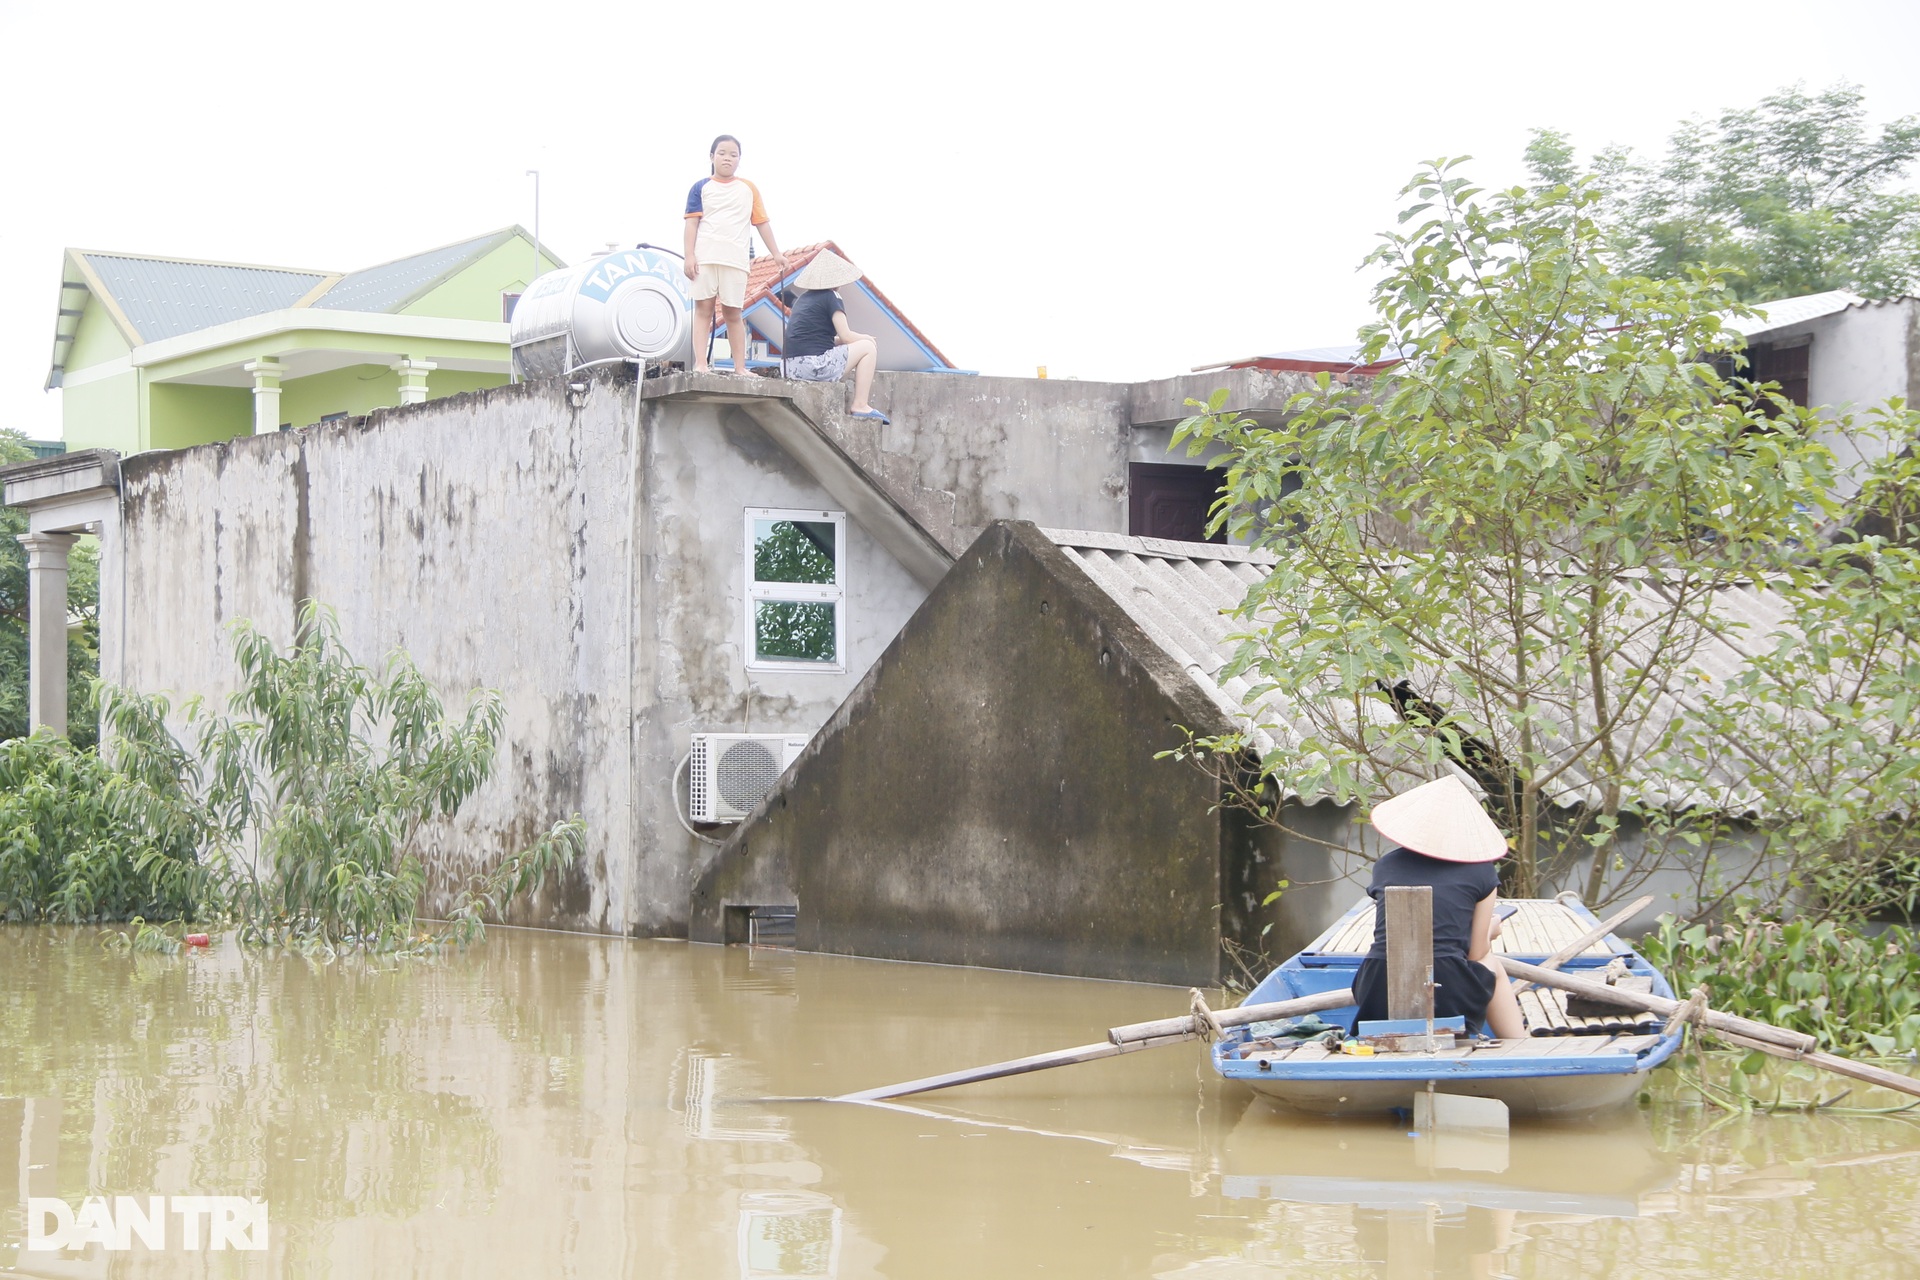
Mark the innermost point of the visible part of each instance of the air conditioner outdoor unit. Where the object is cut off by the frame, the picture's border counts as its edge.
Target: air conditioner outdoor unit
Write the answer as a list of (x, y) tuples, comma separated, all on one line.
[(730, 773)]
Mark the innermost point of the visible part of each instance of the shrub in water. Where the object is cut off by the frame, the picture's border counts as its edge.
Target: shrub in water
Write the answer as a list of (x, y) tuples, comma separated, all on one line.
[(82, 841), (296, 814)]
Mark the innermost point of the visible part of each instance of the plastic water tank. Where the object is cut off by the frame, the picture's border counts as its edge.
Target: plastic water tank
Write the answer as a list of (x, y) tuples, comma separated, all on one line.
[(630, 304)]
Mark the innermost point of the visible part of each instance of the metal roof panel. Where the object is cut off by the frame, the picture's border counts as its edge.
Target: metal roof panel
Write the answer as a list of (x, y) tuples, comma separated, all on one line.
[(392, 285), (164, 298)]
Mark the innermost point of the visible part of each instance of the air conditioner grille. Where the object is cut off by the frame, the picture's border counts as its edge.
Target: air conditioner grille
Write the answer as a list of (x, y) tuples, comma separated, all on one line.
[(699, 799), (744, 774)]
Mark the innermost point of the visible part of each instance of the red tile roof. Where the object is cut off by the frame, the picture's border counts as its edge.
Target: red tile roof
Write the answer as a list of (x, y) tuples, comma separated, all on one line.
[(762, 278)]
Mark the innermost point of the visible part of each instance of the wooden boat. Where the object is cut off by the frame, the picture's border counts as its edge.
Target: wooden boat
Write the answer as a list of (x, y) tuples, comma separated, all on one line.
[(1564, 1066)]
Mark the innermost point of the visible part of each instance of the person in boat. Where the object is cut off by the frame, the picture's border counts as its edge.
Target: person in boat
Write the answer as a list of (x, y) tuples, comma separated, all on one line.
[(820, 345), (1444, 839)]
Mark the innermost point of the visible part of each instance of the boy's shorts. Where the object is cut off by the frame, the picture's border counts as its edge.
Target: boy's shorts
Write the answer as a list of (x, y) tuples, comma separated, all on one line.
[(728, 284)]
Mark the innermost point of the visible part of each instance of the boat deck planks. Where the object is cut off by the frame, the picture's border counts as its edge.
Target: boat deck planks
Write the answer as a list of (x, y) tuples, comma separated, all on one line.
[(1537, 928)]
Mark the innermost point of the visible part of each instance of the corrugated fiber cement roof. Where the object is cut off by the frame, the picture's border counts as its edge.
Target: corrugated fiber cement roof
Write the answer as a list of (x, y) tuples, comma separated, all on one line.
[(1184, 595)]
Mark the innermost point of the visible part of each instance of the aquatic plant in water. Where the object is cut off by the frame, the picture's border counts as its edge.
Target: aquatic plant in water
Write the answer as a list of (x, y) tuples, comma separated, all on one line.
[(1857, 993)]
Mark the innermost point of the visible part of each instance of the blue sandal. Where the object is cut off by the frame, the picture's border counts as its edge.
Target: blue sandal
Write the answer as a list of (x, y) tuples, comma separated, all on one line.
[(873, 415)]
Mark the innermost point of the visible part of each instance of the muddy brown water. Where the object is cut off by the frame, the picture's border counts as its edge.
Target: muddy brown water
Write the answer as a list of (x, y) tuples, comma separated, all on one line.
[(548, 1105)]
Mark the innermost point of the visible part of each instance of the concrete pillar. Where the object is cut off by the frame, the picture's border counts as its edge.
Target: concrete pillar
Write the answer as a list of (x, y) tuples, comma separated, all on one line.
[(413, 379), (267, 373), (47, 628)]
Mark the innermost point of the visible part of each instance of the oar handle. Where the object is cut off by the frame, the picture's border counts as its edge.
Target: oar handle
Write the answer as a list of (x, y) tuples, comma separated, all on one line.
[(1237, 1017), (1591, 936)]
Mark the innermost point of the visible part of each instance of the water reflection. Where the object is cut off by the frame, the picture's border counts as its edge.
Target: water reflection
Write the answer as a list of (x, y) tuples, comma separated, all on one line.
[(559, 1106)]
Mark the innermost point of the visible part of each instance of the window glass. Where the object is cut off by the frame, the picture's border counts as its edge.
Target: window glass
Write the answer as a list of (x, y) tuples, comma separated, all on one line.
[(793, 551), (796, 589), (794, 631)]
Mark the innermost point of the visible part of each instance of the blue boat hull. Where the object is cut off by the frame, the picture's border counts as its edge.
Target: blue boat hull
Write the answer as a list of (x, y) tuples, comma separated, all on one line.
[(1537, 1080)]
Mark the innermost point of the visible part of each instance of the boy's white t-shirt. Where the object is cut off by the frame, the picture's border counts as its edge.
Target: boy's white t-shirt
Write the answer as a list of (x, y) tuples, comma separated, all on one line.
[(729, 209)]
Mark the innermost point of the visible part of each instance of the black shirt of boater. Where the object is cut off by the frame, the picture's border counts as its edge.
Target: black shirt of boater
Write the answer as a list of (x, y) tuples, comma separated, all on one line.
[(1457, 887), (810, 323), (1463, 987)]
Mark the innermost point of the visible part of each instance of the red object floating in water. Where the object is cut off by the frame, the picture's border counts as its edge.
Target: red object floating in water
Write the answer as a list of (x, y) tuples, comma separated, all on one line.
[(197, 940)]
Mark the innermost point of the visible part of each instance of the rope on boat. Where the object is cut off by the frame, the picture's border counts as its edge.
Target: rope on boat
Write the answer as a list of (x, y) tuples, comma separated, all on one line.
[(1693, 1011), (1204, 1022)]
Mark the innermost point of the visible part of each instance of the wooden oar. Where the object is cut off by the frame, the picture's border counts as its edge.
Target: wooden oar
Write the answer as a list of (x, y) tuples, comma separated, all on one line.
[(1741, 1032), (1128, 1039), (1831, 1062), (1715, 1021), (1235, 1017), (1013, 1067), (1590, 937)]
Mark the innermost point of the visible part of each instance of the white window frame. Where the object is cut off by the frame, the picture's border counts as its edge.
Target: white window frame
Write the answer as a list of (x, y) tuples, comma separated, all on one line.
[(835, 594)]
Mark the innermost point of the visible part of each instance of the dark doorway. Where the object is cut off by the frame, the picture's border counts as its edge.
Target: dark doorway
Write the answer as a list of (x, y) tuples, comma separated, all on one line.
[(1784, 365), (1166, 500)]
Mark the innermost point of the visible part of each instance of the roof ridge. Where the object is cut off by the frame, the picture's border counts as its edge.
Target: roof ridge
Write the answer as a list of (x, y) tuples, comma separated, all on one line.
[(499, 233), (1098, 540), (197, 262), (474, 249)]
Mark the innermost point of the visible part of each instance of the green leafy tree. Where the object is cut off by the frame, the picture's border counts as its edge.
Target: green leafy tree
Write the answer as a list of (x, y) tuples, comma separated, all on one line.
[(1509, 555), (1820, 719), (1795, 195), (83, 596)]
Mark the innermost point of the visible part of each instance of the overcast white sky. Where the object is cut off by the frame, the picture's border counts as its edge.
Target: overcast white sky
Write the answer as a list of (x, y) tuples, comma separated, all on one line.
[(1110, 190)]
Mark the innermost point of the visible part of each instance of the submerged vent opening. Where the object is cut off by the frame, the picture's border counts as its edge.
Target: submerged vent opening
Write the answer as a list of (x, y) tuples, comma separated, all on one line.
[(769, 927)]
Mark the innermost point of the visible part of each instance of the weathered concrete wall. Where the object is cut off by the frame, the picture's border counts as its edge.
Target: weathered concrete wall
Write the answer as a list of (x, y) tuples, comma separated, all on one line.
[(703, 465), (1261, 394), (463, 531), (963, 452), (587, 561), (1314, 852), (989, 794), (584, 554)]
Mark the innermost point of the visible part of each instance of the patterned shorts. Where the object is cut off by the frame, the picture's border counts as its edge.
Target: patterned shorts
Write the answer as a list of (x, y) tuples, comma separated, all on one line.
[(828, 366)]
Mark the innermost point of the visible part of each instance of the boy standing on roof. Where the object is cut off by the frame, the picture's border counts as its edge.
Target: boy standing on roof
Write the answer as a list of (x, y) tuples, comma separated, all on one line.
[(722, 211)]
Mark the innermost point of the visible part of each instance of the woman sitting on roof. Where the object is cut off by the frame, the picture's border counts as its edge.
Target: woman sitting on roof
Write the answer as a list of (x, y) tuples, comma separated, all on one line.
[(819, 344), (1446, 841)]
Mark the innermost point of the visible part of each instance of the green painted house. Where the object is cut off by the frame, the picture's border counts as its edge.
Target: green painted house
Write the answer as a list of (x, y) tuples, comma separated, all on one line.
[(163, 353)]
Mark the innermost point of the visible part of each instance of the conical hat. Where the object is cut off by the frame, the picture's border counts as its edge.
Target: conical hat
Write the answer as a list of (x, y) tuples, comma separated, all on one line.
[(1442, 820), (828, 270)]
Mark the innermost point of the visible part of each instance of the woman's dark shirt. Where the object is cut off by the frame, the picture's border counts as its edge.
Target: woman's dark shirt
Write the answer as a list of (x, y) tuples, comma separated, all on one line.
[(1457, 886), (810, 323)]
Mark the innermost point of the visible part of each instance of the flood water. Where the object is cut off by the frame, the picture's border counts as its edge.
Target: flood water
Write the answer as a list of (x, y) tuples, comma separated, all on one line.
[(547, 1105)]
